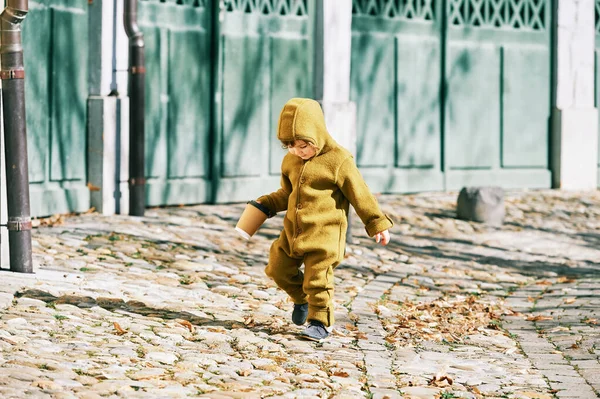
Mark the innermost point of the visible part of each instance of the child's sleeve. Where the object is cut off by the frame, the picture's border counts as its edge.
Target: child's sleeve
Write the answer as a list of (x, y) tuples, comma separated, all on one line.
[(354, 188), (277, 201)]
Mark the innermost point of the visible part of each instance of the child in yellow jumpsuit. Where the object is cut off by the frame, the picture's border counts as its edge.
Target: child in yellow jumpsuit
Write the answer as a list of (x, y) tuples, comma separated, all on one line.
[(319, 180)]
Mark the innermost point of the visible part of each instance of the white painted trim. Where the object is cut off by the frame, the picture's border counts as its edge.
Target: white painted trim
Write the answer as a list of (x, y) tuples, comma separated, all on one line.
[(575, 149)]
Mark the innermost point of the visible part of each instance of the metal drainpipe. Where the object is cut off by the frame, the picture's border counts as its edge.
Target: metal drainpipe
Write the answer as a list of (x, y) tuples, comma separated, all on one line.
[(12, 74), (137, 76)]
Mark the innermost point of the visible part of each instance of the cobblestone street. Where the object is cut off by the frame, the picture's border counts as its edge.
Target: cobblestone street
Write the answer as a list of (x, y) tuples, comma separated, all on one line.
[(176, 304)]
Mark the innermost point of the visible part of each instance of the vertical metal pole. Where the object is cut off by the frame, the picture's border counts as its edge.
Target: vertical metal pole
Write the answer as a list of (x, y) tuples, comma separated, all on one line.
[(137, 77), (217, 14), (12, 74), (442, 21)]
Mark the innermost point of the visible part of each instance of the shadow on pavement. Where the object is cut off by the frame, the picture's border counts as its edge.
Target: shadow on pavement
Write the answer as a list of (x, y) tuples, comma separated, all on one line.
[(137, 307)]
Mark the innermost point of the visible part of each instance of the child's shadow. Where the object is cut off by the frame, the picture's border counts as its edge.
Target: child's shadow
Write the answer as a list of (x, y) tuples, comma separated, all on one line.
[(138, 307)]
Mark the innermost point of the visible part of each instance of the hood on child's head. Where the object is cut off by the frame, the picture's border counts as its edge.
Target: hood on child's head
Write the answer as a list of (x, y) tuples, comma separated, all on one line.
[(302, 119)]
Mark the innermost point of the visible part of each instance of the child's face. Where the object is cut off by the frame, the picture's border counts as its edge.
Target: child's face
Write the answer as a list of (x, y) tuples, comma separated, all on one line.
[(302, 149)]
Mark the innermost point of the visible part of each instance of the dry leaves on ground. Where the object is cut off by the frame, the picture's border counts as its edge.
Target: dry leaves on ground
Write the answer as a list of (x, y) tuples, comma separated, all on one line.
[(442, 319), (565, 280), (441, 381), (538, 318), (120, 330), (187, 325)]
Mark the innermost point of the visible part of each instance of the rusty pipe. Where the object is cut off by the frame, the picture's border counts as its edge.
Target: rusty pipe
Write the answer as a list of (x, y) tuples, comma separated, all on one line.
[(136, 91), (12, 73)]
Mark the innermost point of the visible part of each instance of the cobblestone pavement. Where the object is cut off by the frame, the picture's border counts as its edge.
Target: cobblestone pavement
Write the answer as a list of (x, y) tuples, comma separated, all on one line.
[(175, 304)]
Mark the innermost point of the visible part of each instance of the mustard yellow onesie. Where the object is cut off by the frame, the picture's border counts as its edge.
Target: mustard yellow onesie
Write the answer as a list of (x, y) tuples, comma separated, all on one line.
[(316, 194)]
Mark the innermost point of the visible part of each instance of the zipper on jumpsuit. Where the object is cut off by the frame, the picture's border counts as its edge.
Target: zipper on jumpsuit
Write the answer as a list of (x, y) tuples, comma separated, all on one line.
[(296, 224)]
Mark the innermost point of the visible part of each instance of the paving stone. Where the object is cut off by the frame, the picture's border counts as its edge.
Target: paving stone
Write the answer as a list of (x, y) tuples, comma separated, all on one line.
[(198, 314)]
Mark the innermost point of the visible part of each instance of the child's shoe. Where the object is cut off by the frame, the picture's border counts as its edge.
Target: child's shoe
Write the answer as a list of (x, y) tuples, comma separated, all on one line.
[(315, 331), (300, 314)]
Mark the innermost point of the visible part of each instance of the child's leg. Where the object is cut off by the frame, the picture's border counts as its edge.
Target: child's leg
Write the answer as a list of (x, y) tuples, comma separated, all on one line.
[(318, 285), (285, 271)]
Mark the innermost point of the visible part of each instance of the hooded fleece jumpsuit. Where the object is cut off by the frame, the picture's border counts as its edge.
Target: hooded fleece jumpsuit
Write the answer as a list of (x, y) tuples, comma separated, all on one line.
[(316, 194)]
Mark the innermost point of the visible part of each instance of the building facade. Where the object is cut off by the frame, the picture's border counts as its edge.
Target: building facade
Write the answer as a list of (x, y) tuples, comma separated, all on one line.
[(430, 94)]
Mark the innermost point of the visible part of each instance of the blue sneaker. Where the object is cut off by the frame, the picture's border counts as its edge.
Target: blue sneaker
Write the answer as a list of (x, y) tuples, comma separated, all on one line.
[(315, 331), (300, 314)]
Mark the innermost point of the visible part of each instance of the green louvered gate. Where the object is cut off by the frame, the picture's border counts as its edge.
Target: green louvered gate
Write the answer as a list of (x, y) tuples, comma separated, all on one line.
[(55, 52), (264, 59), (179, 96), (216, 81), (395, 81), (452, 98), (597, 16)]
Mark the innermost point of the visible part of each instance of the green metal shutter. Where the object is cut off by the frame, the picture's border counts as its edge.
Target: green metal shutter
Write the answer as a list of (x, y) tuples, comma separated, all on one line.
[(265, 59), (216, 81), (55, 48), (395, 81), (498, 79), (452, 93), (179, 95)]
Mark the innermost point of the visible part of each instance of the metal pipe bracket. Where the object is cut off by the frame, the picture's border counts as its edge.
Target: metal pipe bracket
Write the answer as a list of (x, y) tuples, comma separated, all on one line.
[(12, 74), (18, 224), (138, 70), (140, 181)]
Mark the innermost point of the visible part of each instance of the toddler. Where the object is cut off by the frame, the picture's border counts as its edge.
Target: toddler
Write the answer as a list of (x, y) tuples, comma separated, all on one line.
[(319, 180)]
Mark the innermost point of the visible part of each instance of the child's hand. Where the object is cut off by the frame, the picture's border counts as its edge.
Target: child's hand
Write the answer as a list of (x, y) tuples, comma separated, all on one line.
[(384, 237)]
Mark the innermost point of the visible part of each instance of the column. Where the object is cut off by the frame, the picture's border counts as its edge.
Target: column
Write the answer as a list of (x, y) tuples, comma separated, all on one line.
[(108, 109), (574, 140), (332, 47), (332, 56)]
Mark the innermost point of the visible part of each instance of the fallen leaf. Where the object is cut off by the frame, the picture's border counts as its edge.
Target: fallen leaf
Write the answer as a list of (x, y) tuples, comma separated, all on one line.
[(564, 280), (342, 374), (91, 187), (544, 282), (475, 390), (244, 373), (510, 312), (186, 324), (532, 395), (389, 339), (591, 321), (557, 329), (569, 301), (440, 381), (538, 318), (10, 341), (120, 331)]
